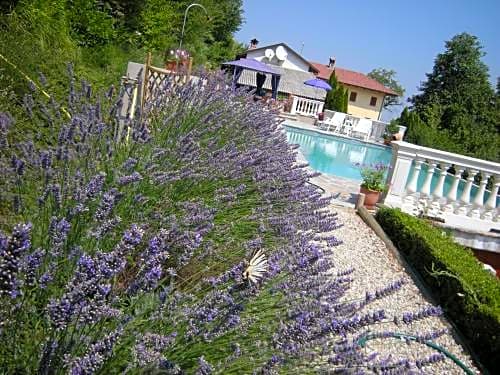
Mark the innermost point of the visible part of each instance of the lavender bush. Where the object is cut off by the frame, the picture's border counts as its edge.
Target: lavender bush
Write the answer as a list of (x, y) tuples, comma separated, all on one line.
[(128, 242)]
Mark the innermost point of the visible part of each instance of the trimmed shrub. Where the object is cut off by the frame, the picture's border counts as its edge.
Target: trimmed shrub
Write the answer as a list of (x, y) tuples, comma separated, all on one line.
[(468, 293)]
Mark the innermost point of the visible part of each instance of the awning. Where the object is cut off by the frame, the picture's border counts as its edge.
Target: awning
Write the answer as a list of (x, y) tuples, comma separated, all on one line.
[(256, 66), (252, 64)]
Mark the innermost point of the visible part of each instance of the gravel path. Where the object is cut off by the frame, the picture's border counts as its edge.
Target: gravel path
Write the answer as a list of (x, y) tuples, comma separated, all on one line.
[(375, 268)]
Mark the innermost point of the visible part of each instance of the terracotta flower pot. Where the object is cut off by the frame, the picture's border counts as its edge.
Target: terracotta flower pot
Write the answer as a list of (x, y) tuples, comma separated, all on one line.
[(371, 197)]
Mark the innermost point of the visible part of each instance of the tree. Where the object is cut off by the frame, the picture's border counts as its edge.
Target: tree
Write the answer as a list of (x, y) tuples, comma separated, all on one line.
[(335, 98), (456, 104), (387, 78), (459, 77)]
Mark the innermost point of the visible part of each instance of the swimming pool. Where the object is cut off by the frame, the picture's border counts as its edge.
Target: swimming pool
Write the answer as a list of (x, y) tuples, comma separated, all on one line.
[(336, 156)]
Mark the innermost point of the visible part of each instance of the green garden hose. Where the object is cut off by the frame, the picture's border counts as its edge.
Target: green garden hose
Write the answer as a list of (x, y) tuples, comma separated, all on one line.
[(362, 342)]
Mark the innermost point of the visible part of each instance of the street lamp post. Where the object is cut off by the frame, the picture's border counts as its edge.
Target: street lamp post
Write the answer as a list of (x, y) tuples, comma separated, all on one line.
[(185, 17)]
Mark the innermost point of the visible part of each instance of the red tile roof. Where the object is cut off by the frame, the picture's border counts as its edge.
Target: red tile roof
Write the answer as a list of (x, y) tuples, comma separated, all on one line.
[(352, 78)]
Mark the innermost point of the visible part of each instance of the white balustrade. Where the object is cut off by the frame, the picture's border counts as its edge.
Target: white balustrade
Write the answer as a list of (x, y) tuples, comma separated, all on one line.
[(458, 202), (306, 107)]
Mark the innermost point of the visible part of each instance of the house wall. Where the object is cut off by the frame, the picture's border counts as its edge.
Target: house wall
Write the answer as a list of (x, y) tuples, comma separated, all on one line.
[(293, 61), (361, 107)]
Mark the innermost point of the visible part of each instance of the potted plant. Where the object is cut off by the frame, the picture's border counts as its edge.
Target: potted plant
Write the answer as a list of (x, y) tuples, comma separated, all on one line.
[(373, 183), (177, 59), (391, 131)]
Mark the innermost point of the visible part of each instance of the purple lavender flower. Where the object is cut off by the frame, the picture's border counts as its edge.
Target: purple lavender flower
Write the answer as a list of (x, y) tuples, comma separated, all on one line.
[(96, 356), (125, 180), (149, 347), (95, 185), (433, 358), (31, 265), (425, 312), (12, 250), (107, 204), (204, 368), (5, 123), (130, 163)]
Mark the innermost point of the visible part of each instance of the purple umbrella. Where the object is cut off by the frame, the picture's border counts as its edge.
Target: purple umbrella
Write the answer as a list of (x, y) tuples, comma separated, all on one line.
[(319, 83)]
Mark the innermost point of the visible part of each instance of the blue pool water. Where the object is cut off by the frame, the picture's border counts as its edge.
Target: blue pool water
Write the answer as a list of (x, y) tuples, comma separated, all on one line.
[(336, 156)]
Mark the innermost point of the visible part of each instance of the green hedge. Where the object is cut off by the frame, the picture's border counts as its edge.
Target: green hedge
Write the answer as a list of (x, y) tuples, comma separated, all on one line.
[(469, 294)]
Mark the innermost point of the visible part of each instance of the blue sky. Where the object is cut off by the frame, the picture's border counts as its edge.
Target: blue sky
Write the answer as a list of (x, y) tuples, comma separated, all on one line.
[(402, 35)]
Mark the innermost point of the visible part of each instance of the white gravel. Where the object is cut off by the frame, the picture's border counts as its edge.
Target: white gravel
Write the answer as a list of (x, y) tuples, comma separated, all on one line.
[(376, 267)]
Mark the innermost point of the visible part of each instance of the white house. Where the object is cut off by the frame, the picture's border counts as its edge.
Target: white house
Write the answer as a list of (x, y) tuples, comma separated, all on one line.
[(366, 95), (294, 70)]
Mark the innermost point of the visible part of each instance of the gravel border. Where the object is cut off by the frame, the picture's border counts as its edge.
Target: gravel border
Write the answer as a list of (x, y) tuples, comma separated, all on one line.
[(375, 267)]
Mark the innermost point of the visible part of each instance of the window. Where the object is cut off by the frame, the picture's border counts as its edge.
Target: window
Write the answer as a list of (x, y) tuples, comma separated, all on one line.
[(352, 96), (373, 101)]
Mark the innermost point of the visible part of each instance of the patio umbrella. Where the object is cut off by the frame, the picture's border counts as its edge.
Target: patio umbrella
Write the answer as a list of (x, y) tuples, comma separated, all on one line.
[(319, 83)]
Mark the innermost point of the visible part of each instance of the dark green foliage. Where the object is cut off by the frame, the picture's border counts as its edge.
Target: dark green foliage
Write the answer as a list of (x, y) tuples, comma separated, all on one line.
[(209, 39), (456, 105), (99, 38), (469, 294), (336, 98), (388, 79)]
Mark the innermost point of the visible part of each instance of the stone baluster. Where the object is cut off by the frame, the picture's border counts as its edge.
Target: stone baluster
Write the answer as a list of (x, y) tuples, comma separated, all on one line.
[(437, 193), (412, 187), (439, 189), (451, 197), (426, 187), (425, 197), (465, 197), (479, 198), (491, 204)]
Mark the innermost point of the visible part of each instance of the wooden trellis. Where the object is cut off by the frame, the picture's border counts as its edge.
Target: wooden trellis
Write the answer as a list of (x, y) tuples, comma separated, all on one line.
[(156, 79)]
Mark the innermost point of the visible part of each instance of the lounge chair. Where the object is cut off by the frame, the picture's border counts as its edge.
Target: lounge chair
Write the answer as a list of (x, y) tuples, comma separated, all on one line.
[(346, 127), (362, 129), (333, 123)]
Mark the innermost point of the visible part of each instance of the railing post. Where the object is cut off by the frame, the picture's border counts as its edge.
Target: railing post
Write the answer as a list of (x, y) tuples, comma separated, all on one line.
[(294, 105), (402, 158)]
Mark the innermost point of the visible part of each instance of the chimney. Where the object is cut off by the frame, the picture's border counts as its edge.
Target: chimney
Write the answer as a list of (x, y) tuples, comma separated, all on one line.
[(331, 63), (253, 43)]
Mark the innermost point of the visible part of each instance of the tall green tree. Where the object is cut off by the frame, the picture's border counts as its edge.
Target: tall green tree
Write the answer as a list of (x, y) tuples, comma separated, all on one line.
[(457, 103), (335, 98), (387, 77)]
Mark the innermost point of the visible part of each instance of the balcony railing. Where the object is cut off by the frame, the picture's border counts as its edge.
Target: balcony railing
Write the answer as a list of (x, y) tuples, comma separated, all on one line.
[(421, 182), (306, 107)]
